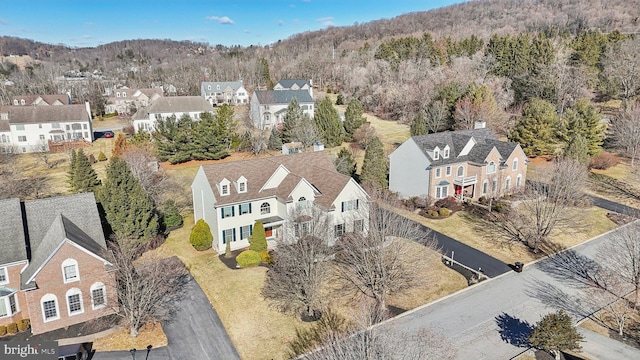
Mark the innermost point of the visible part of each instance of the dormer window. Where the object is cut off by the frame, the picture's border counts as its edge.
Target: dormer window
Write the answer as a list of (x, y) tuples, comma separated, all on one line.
[(224, 187), (445, 154), (436, 154), (124, 94), (15, 102), (217, 87), (118, 94), (22, 102), (241, 185), (208, 87)]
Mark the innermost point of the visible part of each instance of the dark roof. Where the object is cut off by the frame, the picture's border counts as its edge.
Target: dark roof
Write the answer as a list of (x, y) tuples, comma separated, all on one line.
[(234, 85), (314, 167), (173, 104), (283, 96), (485, 141), (12, 241), (46, 114), (287, 84), (51, 221)]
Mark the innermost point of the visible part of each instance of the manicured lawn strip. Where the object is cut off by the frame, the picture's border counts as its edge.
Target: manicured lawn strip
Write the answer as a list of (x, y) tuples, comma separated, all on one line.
[(150, 334), (471, 231)]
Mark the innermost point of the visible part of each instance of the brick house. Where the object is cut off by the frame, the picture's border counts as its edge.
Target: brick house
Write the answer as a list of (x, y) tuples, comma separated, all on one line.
[(231, 196), (52, 267), (467, 164)]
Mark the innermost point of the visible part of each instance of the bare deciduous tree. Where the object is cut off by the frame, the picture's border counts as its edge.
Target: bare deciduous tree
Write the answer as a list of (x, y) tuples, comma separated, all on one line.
[(43, 154), (379, 263), (625, 130), (622, 257), (622, 67), (146, 288), (300, 263), (436, 116), (545, 207)]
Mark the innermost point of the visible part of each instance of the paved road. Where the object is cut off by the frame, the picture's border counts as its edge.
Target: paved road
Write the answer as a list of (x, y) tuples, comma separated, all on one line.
[(196, 333), (492, 319), (468, 256), (614, 206)]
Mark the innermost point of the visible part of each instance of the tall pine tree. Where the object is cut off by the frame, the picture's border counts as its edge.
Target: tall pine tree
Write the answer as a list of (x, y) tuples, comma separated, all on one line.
[(344, 163), (207, 141), (419, 125), (173, 140), (583, 119), (129, 210), (353, 118), (275, 141), (292, 118), (327, 123), (82, 177), (375, 168), (535, 130)]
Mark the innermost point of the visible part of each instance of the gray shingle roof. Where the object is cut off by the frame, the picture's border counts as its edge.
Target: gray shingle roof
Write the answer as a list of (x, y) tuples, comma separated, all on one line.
[(234, 85), (315, 167), (12, 242), (46, 114), (52, 220), (173, 104), (49, 99), (485, 141), (283, 96), (288, 83)]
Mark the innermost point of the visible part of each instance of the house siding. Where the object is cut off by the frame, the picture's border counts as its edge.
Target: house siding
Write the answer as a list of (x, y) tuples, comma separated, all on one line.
[(13, 274), (408, 174), (50, 281)]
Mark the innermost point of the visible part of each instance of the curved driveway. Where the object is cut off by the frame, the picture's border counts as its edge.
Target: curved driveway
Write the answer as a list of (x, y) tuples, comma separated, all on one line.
[(196, 332)]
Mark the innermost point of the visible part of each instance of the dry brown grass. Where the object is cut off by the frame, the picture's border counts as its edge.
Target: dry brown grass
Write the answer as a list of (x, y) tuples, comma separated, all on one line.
[(150, 334), (254, 327), (111, 122), (468, 229)]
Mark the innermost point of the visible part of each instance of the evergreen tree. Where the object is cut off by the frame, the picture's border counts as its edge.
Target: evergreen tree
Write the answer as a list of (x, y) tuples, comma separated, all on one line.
[(578, 149), (419, 125), (226, 125), (275, 142), (375, 168), (120, 146), (264, 76), (207, 141), (291, 120), (258, 240), (327, 123), (82, 176), (535, 130), (344, 163), (583, 119), (128, 208), (201, 236), (72, 170), (173, 139), (554, 333), (340, 100), (353, 118)]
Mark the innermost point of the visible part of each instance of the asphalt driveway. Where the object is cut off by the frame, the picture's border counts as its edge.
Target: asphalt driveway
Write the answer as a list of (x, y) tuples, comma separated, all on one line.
[(196, 332)]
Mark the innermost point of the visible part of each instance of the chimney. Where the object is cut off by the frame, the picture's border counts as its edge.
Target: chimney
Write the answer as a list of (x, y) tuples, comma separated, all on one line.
[(311, 87), (480, 124), (88, 107)]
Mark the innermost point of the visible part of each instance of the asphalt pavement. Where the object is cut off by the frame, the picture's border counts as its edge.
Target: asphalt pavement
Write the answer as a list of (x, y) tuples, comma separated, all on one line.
[(492, 319), (614, 206), (196, 332), (468, 256)]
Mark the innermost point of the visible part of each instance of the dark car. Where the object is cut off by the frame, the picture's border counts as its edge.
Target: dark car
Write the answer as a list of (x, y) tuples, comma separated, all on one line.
[(108, 134)]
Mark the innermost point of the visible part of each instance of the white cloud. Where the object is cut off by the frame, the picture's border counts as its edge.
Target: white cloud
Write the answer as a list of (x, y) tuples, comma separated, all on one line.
[(222, 20), (326, 21)]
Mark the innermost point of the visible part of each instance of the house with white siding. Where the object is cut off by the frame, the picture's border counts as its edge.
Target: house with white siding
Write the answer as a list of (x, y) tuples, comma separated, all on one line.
[(164, 107), (268, 107), (231, 196), (224, 92), (31, 128)]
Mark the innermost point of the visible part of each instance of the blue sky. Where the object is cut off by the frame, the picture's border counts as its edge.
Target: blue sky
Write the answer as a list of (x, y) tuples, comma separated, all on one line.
[(231, 22)]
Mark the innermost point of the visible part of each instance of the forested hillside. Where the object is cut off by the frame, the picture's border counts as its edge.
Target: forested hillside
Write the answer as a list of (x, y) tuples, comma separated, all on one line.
[(447, 67)]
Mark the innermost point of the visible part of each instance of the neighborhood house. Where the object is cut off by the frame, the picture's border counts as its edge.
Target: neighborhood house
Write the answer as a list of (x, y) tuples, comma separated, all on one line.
[(52, 265), (165, 107), (231, 196), (225, 92), (467, 164)]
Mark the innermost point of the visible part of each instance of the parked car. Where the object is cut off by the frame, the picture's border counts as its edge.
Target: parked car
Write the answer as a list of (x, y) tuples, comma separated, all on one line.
[(108, 134), (75, 351)]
